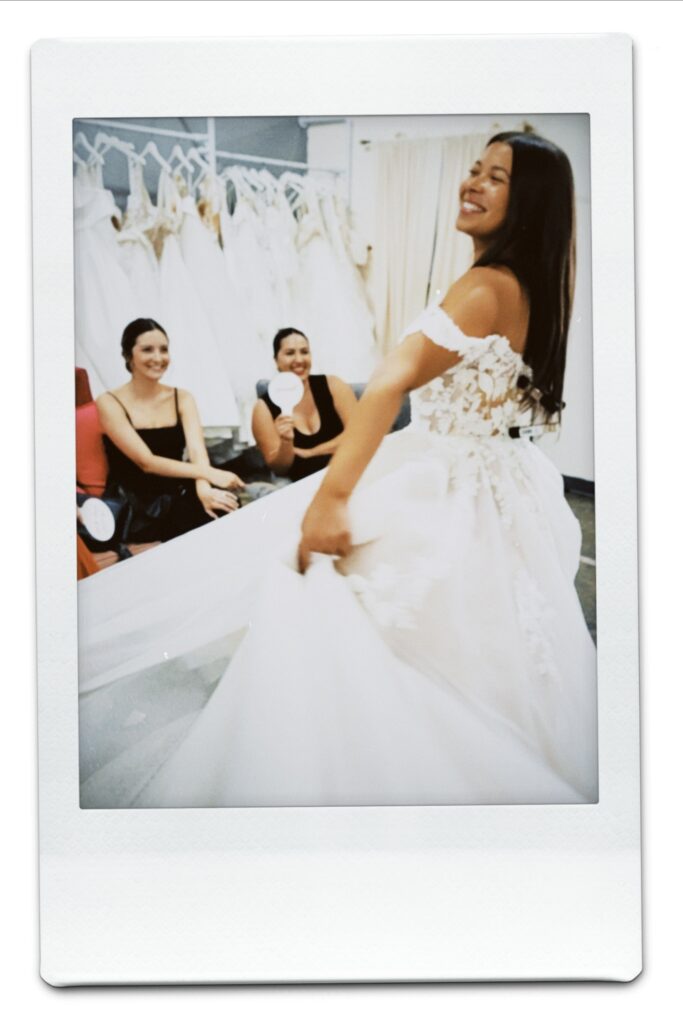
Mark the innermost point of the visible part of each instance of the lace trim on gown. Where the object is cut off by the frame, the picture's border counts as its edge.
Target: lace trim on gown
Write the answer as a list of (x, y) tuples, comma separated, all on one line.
[(466, 411), (436, 325), (477, 398)]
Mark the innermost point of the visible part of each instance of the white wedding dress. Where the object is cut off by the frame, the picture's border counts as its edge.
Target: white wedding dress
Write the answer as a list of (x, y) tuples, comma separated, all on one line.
[(327, 302), (445, 661), (248, 343), (197, 362), (254, 274), (136, 247), (104, 298)]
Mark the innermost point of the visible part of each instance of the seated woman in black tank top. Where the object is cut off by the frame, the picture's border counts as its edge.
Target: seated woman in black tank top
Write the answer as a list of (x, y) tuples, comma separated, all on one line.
[(147, 426), (303, 443)]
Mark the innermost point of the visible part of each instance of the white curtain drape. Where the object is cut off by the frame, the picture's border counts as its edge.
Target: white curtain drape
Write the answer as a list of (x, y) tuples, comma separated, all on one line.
[(407, 192), (417, 250)]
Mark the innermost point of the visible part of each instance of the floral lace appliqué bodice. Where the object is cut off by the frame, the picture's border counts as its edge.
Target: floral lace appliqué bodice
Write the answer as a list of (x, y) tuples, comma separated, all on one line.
[(477, 397)]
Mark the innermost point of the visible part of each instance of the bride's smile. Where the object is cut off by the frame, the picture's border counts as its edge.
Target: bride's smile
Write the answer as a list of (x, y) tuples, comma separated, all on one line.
[(485, 194)]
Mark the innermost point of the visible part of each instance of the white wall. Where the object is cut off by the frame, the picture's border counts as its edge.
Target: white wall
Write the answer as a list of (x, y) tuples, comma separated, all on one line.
[(341, 145)]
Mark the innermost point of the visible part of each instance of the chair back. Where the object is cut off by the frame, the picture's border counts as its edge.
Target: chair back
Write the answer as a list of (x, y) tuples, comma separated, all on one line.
[(92, 467)]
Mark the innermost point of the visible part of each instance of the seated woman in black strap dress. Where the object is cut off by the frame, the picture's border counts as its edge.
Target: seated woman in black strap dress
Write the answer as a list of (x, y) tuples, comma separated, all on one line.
[(303, 443), (147, 427)]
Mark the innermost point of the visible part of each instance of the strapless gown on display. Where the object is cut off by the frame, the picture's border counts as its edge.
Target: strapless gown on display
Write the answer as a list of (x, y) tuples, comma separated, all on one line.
[(136, 248), (327, 303), (444, 661), (197, 362), (104, 298), (247, 339)]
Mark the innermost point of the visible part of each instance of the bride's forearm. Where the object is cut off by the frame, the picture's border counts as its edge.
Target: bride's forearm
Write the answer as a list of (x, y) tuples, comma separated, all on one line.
[(370, 421), (415, 362)]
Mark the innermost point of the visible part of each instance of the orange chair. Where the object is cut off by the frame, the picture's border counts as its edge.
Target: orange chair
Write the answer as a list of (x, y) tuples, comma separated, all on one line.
[(92, 469), (91, 458)]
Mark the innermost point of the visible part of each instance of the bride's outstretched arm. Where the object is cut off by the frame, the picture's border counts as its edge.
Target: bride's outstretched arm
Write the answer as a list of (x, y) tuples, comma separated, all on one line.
[(416, 361)]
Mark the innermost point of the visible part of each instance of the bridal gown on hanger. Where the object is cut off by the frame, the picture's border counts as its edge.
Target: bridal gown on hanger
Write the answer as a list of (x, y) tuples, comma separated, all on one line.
[(254, 271), (327, 305), (280, 229), (104, 299), (204, 260), (197, 362), (336, 218), (444, 661), (136, 248), (244, 333)]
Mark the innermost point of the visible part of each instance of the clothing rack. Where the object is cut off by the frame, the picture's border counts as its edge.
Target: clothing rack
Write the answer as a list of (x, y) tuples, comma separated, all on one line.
[(146, 130), (208, 141), (276, 162)]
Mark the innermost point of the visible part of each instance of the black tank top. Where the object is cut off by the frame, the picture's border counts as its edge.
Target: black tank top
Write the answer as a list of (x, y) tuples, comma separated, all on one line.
[(330, 426), (168, 442)]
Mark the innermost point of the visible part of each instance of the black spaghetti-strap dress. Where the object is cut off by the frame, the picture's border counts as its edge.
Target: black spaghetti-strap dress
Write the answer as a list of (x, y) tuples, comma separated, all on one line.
[(330, 427), (162, 507)]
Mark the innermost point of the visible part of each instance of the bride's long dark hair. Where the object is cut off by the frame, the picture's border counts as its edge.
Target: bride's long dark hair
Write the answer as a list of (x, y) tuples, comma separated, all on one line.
[(537, 243)]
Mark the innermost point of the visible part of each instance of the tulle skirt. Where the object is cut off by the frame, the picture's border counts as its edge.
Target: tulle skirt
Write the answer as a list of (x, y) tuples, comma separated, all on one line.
[(444, 661)]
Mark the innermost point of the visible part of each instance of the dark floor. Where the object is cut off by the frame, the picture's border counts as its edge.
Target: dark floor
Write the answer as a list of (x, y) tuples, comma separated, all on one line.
[(583, 507)]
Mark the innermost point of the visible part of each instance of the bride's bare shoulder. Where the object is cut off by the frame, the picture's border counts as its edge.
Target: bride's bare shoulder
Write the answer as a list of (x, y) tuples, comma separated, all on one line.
[(496, 299), (474, 301), (500, 282)]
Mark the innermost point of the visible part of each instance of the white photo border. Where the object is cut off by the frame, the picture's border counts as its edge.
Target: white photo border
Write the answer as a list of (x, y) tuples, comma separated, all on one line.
[(338, 894)]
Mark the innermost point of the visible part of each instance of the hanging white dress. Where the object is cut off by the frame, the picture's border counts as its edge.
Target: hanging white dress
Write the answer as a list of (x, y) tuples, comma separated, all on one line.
[(326, 302), (136, 248), (243, 271), (206, 260), (103, 297), (444, 661), (253, 271), (280, 231), (196, 359), (342, 240)]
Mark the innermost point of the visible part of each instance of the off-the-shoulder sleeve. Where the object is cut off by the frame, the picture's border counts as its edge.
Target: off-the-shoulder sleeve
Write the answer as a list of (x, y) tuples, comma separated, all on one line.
[(436, 325)]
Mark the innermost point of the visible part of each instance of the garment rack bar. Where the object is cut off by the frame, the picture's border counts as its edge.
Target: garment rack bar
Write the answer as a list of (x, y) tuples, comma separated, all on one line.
[(205, 137), (145, 129), (275, 162)]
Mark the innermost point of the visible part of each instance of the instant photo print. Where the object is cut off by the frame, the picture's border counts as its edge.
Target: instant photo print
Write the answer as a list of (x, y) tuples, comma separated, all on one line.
[(336, 510)]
